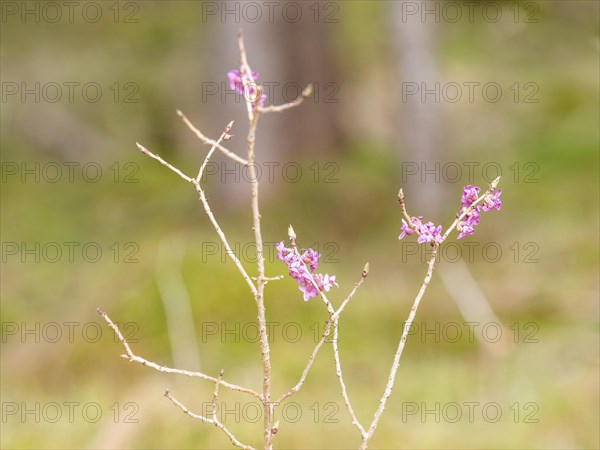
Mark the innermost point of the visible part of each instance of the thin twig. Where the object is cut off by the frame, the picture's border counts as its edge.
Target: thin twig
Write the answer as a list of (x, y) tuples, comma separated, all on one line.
[(309, 364), (221, 234), (397, 356), (247, 78), (280, 108), (336, 354), (267, 279), (224, 136), (209, 141), (338, 372), (144, 362), (212, 421), (405, 214), (363, 276), (145, 151), (333, 317), (208, 211), (253, 116)]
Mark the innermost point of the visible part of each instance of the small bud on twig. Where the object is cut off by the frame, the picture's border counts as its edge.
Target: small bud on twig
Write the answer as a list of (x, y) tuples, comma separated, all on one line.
[(275, 428), (291, 234), (494, 184), (226, 135), (365, 271), (401, 196)]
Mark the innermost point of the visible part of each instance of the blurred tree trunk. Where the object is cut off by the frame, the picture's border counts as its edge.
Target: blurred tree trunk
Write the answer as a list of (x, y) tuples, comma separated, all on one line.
[(420, 131), (289, 57)]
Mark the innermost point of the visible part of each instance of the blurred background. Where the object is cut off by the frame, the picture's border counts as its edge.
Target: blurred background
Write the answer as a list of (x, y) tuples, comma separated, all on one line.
[(428, 96)]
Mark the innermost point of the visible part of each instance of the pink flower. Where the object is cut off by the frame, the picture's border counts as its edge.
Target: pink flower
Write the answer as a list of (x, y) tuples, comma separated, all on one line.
[(467, 225), (325, 282), (301, 268), (430, 233), (407, 230), (237, 84), (311, 259), (235, 80), (492, 201), (470, 194)]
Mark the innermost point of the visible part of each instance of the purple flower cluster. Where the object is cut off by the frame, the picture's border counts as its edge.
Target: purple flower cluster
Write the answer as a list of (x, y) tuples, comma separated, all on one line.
[(301, 269), (470, 193), (428, 232), (237, 84)]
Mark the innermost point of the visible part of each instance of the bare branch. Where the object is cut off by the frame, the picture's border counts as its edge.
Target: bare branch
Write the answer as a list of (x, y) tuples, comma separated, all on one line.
[(280, 108), (224, 136), (336, 354), (219, 231), (405, 214), (247, 77), (213, 421), (333, 318), (207, 209), (363, 276), (338, 372), (267, 279), (309, 364), (144, 362), (253, 116), (145, 151), (392, 376), (209, 141)]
